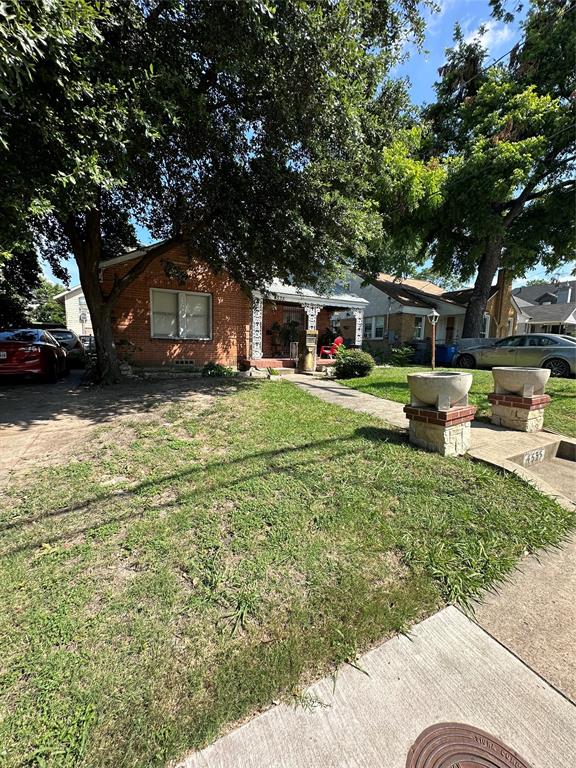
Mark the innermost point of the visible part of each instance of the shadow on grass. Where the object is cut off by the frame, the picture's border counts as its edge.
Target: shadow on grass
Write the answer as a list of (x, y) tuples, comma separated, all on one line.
[(342, 450), (383, 435)]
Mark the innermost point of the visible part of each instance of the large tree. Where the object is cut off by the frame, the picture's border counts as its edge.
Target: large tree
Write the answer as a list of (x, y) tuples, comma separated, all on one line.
[(243, 127), (486, 180)]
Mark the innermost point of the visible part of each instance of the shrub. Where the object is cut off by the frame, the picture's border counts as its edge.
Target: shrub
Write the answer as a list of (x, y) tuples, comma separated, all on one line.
[(352, 363), (401, 355), (215, 369)]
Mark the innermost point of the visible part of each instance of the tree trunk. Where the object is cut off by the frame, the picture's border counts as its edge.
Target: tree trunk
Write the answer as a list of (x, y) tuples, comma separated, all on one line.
[(108, 365), (489, 263), (86, 246)]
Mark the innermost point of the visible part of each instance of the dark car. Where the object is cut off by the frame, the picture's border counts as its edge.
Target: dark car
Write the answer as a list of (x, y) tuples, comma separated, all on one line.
[(72, 344), (31, 351)]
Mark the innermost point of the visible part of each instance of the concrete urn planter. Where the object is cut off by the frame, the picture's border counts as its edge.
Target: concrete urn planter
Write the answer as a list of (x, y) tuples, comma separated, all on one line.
[(439, 389), (523, 382)]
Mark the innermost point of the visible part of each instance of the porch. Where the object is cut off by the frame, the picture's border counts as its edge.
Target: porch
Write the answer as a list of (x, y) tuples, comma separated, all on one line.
[(284, 312)]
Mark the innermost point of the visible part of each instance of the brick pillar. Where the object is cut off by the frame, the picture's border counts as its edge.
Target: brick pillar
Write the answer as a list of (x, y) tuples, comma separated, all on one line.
[(524, 414), (445, 432)]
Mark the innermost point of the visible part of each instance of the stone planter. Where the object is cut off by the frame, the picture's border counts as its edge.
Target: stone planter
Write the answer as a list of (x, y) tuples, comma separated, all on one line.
[(439, 389), (518, 400), (524, 382)]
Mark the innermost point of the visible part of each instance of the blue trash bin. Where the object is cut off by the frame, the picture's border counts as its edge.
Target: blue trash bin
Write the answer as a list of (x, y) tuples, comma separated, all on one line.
[(445, 353)]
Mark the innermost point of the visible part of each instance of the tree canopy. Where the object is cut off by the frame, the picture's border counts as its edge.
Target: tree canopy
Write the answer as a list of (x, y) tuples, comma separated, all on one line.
[(486, 179), (246, 129)]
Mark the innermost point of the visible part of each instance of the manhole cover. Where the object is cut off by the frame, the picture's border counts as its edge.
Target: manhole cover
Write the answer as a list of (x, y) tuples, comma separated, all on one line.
[(454, 745)]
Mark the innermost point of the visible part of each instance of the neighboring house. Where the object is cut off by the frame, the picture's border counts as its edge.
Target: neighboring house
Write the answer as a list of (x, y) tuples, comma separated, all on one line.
[(546, 307), (397, 310), (77, 314), (180, 312)]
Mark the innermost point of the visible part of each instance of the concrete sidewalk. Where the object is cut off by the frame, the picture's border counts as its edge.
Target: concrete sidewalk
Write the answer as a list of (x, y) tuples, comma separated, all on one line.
[(447, 670)]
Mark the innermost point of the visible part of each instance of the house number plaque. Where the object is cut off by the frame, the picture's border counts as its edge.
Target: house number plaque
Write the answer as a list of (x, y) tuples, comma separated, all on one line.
[(455, 745)]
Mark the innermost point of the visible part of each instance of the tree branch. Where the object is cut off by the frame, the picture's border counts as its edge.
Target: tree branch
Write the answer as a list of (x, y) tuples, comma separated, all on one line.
[(524, 198), (120, 284)]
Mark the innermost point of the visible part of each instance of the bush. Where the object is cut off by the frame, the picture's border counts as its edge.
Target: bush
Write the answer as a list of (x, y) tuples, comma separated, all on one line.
[(352, 363), (401, 356), (215, 369)]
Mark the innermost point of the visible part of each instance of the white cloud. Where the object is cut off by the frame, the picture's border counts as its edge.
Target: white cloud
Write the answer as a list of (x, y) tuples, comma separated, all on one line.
[(494, 35)]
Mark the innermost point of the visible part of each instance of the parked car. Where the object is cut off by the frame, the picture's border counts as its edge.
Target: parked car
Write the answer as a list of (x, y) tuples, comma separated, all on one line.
[(88, 342), (72, 344), (31, 351), (539, 350)]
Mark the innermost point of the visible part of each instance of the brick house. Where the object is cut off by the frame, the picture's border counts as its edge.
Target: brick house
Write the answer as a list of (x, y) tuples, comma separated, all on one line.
[(397, 310), (181, 312)]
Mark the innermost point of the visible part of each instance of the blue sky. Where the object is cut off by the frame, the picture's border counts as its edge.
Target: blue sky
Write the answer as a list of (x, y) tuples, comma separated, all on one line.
[(422, 66)]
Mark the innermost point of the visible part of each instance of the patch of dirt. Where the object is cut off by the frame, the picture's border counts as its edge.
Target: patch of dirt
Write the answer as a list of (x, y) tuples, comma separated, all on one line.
[(50, 424)]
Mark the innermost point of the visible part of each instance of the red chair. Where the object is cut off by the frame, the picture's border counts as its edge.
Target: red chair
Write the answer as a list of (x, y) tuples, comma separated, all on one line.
[(332, 349)]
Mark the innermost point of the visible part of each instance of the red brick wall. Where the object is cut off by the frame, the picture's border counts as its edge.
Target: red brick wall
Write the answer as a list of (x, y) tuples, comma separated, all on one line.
[(231, 314)]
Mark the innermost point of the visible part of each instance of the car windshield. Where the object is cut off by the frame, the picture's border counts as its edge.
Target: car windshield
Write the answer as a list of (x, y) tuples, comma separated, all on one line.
[(20, 335), (61, 334), (571, 339)]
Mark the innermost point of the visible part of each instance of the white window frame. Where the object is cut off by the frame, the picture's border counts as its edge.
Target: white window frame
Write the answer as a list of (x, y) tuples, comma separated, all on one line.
[(369, 328), (418, 333), (486, 322), (180, 336)]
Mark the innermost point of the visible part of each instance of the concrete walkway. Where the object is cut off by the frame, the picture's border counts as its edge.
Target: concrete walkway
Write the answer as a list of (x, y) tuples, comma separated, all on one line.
[(447, 670), (332, 392)]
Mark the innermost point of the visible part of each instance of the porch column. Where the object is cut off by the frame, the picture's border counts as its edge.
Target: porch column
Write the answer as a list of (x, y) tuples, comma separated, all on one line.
[(257, 313), (312, 311), (359, 317)]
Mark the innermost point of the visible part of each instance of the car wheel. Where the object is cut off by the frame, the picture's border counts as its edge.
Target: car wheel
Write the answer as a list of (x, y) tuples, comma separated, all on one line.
[(465, 361), (558, 368)]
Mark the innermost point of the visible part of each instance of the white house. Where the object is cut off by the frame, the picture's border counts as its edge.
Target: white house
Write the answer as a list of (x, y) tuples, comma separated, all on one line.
[(77, 314)]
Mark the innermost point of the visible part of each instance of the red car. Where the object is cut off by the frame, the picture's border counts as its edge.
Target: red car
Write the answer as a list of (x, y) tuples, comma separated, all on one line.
[(31, 351)]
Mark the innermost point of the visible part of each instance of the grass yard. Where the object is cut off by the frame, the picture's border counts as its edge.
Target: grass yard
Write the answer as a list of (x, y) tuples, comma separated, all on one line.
[(391, 384), (199, 563)]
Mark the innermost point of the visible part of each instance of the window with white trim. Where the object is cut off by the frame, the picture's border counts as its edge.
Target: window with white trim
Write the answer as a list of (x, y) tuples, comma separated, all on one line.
[(374, 327), (418, 333), (180, 314), (485, 332)]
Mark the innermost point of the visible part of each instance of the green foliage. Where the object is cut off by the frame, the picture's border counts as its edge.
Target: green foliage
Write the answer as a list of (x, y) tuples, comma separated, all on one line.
[(245, 128), (216, 369), (486, 180), (44, 307), (401, 355), (351, 363)]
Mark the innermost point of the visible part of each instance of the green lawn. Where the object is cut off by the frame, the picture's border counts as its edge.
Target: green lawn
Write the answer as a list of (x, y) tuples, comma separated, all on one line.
[(391, 384), (206, 560)]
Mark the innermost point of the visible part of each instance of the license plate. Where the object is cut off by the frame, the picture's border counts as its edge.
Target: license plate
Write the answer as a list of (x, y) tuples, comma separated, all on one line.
[(3, 355)]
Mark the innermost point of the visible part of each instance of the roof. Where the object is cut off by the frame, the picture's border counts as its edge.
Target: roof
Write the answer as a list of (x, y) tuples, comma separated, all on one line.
[(291, 293), (550, 313), (281, 291), (135, 253), (463, 296), (403, 294), (68, 292), (411, 282), (531, 293)]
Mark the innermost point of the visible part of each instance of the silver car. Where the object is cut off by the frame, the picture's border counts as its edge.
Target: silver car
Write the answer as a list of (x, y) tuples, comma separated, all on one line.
[(539, 350)]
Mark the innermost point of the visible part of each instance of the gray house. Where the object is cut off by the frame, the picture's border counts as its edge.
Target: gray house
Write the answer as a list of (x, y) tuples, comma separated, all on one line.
[(546, 307)]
